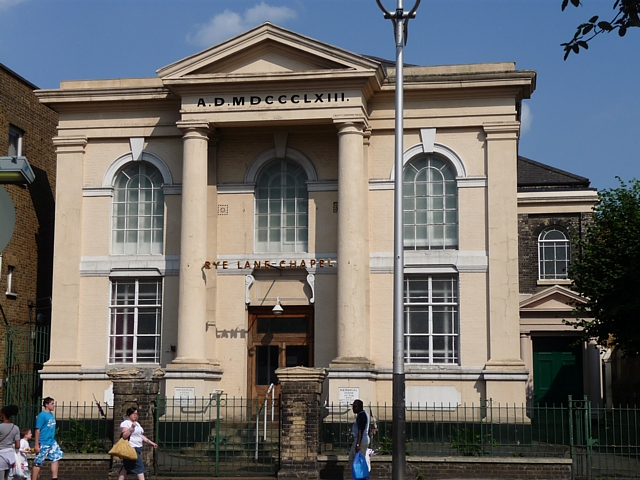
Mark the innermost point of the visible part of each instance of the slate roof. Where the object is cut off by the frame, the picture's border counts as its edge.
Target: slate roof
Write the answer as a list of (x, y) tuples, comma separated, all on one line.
[(534, 175)]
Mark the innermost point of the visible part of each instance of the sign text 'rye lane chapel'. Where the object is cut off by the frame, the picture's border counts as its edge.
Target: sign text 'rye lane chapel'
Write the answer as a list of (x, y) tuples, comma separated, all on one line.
[(242, 101)]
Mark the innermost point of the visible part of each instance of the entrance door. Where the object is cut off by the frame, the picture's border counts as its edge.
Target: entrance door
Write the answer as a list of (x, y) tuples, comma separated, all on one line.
[(277, 341), (557, 370)]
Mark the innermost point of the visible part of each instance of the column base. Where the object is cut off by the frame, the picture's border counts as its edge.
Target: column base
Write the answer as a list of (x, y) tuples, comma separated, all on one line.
[(181, 363), (506, 384), (196, 379), (358, 363), (350, 378)]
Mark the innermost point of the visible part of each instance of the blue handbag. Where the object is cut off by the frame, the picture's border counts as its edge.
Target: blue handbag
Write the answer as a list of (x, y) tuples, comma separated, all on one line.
[(359, 469)]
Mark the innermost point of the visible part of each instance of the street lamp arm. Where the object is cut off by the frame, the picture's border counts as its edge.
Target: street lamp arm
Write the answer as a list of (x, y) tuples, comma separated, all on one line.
[(386, 12), (412, 12), (399, 13), (400, 16)]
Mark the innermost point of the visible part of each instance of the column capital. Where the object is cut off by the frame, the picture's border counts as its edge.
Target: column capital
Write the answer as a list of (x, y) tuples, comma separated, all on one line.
[(198, 126), (74, 144), (502, 130), (356, 125)]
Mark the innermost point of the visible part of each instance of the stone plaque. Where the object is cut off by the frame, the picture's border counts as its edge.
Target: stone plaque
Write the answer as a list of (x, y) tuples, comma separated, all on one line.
[(186, 396), (348, 395)]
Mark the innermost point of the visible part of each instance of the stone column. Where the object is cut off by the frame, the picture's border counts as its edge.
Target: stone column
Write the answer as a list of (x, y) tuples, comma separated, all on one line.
[(192, 300), (212, 245), (300, 390), (353, 255), (502, 278), (67, 254), (136, 387)]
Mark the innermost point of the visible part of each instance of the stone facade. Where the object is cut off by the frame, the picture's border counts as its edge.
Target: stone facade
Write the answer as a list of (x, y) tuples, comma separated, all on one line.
[(29, 254)]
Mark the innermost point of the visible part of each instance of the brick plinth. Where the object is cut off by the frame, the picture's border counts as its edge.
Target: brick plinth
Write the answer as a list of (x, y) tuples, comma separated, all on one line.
[(80, 467), (300, 396), (136, 387)]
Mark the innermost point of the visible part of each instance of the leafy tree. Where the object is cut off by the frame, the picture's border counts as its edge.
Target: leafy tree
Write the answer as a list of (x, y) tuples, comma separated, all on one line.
[(627, 15), (606, 270)]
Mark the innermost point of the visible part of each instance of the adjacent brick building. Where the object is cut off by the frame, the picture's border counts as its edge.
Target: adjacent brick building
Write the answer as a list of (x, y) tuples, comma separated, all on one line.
[(26, 128), (554, 208)]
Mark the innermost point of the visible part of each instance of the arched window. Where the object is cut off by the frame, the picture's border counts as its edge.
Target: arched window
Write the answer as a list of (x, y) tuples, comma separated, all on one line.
[(138, 211), (281, 213), (430, 204), (554, 254)]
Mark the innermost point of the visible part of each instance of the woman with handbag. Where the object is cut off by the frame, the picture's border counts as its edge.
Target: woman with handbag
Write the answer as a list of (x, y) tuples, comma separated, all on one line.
[(132, 431), (9, 440)]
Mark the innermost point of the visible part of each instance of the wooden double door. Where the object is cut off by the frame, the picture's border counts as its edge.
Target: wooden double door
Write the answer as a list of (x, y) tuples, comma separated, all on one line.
[(277, 341)]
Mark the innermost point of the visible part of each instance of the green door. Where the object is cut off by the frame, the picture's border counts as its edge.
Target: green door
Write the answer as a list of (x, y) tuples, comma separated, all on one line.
[(557, 370)]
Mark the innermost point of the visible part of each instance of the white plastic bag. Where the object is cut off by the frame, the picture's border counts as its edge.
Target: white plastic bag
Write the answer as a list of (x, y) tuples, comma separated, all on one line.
[(367, 457), (18, 470)]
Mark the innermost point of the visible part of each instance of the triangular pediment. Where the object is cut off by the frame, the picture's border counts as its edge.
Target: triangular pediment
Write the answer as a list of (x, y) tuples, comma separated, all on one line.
[(264, 50), (553, 298)]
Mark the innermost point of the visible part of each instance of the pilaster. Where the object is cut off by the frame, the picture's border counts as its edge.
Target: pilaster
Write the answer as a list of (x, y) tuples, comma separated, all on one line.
[(502, 246), (67, 253)]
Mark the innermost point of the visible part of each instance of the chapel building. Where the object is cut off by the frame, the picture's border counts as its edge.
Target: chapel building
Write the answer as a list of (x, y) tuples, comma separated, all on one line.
[(234, 215)]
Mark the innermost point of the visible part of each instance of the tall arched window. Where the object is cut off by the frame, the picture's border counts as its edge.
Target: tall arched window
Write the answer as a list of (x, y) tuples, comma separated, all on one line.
[(138, 211), (554, 254), (430, 204), (281, 213)]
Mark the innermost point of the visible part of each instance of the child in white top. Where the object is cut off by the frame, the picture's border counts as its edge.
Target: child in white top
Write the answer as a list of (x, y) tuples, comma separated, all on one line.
[(24, 450)]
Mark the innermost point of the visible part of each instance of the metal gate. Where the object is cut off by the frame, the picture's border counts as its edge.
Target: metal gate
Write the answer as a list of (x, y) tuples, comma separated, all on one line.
[(605, 442), (218, 435), (26, 350)]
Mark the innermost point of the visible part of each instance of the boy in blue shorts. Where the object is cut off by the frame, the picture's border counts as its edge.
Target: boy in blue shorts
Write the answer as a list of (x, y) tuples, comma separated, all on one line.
[(46, 445)]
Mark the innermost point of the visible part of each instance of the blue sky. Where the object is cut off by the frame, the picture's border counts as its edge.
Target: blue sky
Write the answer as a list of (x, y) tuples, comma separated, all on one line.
[(584, 116)]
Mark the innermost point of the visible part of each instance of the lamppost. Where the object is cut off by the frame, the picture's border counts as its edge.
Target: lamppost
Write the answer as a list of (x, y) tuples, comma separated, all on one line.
[(400, 19)]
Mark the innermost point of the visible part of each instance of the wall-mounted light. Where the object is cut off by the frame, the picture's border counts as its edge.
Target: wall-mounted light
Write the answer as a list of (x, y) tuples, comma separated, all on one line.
[(277, 309), (16, 170)]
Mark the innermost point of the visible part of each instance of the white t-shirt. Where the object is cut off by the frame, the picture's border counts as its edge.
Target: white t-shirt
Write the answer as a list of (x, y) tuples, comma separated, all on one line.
[(355, 430), (24, 445), (135, 440)]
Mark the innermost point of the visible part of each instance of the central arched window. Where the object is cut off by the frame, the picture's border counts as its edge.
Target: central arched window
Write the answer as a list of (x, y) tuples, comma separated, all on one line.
[(138, 211), (430, 204), (554, 254), (281, 213)]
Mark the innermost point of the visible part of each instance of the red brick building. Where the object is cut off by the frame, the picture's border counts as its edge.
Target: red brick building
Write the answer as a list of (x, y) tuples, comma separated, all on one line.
[(26, 129)]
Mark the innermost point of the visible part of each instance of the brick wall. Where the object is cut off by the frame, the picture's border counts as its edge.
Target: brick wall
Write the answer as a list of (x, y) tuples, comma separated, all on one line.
[(79, 467), (30, 250), (529, 228), (334, 467)]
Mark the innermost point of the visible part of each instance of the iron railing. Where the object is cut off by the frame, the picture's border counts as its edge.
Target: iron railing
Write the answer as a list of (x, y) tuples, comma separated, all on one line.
[(216, 435), (603, 442), (80, 427)]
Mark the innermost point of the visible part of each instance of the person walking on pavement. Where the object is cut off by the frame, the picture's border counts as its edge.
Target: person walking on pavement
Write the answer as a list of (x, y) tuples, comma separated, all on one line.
[(360, 431), (45, 443), (132, 431), (8, 443)]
